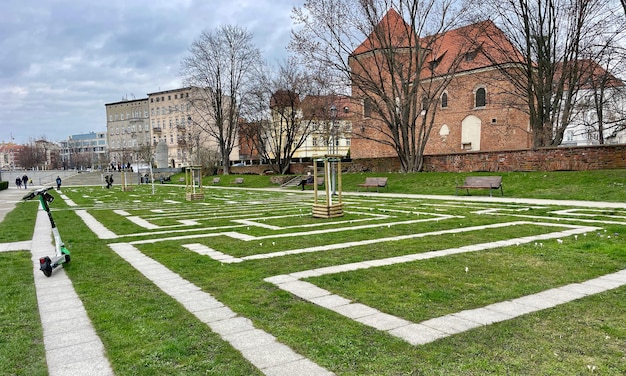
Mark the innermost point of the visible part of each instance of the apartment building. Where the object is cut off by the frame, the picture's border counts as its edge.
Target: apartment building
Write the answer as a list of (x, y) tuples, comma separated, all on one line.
[(128, 131)]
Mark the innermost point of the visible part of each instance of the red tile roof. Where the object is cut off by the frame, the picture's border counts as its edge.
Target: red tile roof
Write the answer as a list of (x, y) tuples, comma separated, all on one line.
[(390, 31), (473, 46)]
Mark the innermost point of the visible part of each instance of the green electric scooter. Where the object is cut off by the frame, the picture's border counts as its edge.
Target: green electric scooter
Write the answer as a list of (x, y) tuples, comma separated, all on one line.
[(62, 255)]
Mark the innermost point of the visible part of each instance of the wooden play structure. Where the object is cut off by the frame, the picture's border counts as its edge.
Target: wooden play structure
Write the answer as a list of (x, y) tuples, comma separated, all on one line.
[(193, 183), (332, 206)]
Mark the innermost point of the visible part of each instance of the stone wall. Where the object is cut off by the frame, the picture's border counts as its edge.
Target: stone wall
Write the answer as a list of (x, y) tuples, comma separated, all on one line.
[(576, 158)]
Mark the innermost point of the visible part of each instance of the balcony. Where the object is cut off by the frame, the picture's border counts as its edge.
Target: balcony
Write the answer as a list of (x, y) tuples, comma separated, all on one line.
[(156, 129), (181, 128)]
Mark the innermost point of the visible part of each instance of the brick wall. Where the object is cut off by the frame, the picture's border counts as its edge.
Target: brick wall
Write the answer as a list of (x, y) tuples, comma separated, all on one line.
[(577, 158)]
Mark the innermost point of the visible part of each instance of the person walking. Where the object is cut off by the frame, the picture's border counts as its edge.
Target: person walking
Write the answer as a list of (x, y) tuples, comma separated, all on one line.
[(18, 182), (58, 183), (25, 181)]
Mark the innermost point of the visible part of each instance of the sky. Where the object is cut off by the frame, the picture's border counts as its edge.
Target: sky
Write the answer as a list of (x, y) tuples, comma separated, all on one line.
[(62, 60)]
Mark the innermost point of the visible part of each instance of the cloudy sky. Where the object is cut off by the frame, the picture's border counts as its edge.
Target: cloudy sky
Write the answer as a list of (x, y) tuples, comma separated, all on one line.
[(62, 60)]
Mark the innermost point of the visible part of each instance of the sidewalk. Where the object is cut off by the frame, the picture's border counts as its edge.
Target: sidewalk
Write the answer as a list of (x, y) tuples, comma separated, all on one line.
[(71, 343)]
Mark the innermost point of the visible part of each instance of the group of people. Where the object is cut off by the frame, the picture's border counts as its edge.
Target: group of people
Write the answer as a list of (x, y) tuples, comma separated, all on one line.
[(22, 182), (25, 180)]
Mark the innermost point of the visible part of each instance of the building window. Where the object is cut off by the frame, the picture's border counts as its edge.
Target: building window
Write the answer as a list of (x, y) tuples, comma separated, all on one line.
[(480, 97), (367, 107), (425, 103), (444, 100)]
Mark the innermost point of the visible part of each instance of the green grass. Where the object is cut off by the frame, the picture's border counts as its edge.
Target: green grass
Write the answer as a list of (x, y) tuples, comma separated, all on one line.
[(145, 331), (597, 185), (21, 336)]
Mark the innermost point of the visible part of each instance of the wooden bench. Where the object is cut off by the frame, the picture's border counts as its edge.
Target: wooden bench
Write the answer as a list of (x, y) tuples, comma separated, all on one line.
[(374, 183), (319, 179), (216, 180), (237, 181), (481, 182)]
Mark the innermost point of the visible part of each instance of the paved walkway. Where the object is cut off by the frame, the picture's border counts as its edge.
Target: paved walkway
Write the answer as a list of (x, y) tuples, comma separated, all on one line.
[(73, 347)]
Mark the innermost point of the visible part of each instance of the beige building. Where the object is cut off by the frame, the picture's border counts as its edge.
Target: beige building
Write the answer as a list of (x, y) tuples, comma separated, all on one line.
[(172, 122), (128, 131), (331, 120)]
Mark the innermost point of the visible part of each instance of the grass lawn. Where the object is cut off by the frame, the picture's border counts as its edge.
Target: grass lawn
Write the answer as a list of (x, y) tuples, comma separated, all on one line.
[(146, 331)]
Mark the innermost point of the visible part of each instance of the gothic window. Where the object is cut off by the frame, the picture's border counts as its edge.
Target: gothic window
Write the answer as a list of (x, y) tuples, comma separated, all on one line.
[(480, 97), (367, 107)]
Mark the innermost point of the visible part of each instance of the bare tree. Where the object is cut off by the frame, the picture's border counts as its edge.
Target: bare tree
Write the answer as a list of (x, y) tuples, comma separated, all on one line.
[(601, 106), (219, 68), (32, 155), (277, 126), (554, 37), (390, 54)]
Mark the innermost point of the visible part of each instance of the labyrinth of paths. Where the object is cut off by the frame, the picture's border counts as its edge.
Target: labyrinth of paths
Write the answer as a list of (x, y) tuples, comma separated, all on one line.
[(238, 227)]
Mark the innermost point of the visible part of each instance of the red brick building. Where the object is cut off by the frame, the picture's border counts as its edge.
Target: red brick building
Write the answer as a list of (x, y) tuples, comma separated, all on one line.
[(475, 109)]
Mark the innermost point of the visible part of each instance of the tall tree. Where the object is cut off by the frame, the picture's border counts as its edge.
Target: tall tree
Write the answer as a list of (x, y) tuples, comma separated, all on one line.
[(389, 53), (276, 124), (219, 68), (554, 37)]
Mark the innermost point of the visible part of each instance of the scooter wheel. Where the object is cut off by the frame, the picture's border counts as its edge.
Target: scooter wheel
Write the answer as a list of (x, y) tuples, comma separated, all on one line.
[(67, 258), (45, 266)]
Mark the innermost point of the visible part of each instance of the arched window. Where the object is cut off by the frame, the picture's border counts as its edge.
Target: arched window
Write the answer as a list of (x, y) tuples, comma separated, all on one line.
[(444, 100), (480, 97)]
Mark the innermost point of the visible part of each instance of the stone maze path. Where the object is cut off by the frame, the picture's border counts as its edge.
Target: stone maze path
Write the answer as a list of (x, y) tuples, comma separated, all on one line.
[(68, 331)]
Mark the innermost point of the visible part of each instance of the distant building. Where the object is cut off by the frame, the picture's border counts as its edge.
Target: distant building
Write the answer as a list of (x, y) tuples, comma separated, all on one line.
[(331, 117), (599, 115), (8, 156), (174, 123), (128, 131), (86, 150)]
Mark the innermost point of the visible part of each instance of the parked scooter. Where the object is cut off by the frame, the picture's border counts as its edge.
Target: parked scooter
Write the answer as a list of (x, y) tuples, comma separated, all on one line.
[(62, 255)]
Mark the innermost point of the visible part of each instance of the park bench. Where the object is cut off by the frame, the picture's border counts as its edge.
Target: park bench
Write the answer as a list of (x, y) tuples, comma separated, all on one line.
[(216, 180), (481, 182), (319, 179), (374, 183), (237, 181)]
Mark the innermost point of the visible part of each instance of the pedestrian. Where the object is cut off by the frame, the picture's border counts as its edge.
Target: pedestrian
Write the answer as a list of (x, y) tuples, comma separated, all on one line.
[(109, 180), (18, 182), (58, 183), (306, 180), (25, 181)]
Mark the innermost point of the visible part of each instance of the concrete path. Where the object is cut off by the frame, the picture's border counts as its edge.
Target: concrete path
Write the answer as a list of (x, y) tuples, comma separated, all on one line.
[(73, 347), (71, 343)]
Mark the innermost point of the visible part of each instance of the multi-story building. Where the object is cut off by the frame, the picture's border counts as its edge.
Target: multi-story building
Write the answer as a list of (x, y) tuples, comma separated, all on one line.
[(599, 114), (128, 131), (474, 111), (331, 118), (174, 124), (8, 156), (87, 150)]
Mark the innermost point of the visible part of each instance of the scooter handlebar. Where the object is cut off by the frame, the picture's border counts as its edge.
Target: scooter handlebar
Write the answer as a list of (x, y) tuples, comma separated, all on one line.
[(35, 193)]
